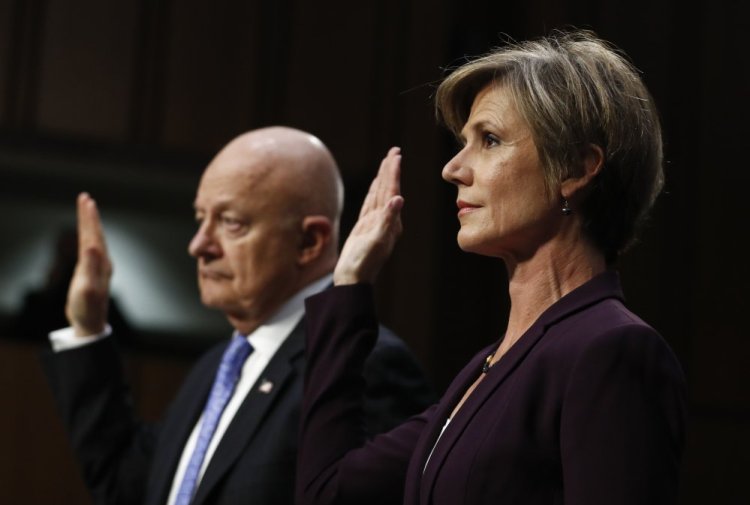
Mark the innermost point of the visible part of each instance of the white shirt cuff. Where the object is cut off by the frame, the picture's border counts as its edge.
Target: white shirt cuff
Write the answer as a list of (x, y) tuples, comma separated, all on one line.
[(65, 338)]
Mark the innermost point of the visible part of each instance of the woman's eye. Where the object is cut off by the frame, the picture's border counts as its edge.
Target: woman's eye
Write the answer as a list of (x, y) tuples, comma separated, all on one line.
[(490, 140)]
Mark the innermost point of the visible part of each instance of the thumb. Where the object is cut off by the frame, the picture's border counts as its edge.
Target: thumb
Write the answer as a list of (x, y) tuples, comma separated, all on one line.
[(393, 217)]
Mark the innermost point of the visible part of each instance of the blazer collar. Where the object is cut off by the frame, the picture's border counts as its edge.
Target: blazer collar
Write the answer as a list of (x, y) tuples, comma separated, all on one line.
[(605, 285), (602, 286)]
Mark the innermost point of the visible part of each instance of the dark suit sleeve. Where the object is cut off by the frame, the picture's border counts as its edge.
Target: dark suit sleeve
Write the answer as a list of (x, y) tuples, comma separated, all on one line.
[(623, 421), (336, 463), (395, 385), (113, 449)]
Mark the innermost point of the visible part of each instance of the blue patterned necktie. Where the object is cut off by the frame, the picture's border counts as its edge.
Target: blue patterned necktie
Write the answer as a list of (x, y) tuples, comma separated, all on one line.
[(226, 379)]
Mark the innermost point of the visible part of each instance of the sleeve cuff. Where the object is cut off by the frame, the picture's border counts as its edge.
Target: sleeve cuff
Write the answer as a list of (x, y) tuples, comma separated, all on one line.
[(66, 339)]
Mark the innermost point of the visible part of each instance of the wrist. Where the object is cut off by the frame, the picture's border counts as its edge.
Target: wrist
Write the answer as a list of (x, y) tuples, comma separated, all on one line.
[(345, 279), (80, 330)]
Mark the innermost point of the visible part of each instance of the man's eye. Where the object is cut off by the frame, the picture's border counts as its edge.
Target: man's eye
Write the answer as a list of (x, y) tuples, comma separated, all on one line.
[(231, 223)]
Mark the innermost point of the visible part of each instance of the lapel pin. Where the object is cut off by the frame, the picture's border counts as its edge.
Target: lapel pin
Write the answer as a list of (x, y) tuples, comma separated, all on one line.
[(266, 386)]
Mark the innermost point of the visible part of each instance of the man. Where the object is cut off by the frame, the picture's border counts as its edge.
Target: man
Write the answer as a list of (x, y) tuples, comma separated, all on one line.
[(268, 209)]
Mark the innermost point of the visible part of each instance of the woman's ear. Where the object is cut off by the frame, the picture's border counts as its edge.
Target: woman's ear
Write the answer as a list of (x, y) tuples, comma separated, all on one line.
[(592, 161), (317, 232)]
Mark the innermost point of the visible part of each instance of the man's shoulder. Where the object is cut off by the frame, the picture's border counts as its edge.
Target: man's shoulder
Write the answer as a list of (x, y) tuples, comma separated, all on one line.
[(392, 354), (387, 337)]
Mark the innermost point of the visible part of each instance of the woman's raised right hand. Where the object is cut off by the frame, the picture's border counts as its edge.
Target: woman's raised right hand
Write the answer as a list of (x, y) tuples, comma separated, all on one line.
[(379, 225)]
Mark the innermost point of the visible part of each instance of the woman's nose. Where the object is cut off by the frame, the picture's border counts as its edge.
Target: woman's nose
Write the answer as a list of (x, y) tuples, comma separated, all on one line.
[(456, 171)]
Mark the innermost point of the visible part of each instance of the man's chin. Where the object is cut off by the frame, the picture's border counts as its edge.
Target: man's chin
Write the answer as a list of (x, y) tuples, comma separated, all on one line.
[(229, 307), (214, 302)]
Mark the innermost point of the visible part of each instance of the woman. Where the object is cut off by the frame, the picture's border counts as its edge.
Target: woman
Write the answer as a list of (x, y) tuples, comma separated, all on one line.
[(580, 402)]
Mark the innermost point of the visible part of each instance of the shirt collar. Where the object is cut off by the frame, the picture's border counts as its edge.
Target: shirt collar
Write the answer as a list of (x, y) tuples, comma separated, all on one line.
[(269, 336)]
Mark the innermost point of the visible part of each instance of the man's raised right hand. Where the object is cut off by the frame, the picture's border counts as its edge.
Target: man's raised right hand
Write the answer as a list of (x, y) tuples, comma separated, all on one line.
[(88, 294)]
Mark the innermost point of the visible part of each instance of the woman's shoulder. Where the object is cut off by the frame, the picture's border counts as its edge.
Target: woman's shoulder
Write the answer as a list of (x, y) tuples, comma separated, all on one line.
[(609, 332), (609, 319)]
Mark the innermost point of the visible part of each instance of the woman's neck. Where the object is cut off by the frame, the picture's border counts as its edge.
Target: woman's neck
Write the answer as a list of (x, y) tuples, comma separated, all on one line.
[(557, 268)]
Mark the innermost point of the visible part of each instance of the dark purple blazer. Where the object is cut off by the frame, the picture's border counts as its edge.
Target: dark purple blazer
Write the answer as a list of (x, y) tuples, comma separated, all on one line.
[(587, 408)]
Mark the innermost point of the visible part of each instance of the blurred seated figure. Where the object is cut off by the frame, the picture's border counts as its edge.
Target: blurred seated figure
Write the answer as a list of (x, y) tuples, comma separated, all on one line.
[(267, 212), (43, 309)]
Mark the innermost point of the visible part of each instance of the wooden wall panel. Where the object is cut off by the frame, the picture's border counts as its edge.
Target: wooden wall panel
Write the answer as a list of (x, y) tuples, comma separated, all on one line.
[(211, 73), (86, 68), (718, 130), (5, 55), (331, 83), (416, 53), (20, 76)]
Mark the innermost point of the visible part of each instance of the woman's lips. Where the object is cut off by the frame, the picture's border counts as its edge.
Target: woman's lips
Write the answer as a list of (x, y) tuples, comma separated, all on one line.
[(465, 207)]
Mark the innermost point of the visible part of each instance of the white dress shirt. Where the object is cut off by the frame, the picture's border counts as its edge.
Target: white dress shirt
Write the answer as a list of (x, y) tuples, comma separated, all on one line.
[(266, 340)]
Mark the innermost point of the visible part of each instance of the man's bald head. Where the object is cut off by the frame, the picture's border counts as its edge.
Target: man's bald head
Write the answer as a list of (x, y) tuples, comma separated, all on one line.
[(297, 161), (269, 206)]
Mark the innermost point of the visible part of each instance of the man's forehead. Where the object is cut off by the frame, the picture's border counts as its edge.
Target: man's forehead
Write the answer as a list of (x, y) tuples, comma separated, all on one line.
[(234, 180), (241, 164)]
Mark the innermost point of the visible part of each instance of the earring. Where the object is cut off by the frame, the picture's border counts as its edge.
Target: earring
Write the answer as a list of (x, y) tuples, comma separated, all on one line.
[(566, 210)]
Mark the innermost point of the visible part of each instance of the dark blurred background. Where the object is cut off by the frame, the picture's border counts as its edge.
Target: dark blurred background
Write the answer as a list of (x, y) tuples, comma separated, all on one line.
[(129, 99)]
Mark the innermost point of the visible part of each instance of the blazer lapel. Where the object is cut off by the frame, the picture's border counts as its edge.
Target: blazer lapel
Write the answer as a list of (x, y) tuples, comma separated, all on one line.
[(430, 434), (603, 286), (249, 418), (497, 375)]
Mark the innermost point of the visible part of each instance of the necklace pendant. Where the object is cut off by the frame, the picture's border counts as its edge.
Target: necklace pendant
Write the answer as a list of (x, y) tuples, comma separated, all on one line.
[(487, 363)]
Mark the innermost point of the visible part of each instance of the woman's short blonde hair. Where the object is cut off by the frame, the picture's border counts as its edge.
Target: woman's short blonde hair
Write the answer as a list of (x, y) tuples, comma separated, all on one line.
[(574, 90)]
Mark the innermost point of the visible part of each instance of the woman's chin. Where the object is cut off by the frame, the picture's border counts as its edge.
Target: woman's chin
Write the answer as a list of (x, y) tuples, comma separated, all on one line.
[(480, 245), (463, 242), (470, 244)]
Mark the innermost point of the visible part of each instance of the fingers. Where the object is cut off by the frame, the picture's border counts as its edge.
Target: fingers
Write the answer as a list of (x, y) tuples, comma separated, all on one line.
[(93, 268), (88, 294), (391, 223), (372, 239), (395, 204), (369, 244), (90, 232), (386, 183), (389, 175)]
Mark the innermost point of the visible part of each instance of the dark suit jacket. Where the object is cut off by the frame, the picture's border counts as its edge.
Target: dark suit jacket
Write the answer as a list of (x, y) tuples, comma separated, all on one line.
[(587, 408), (125, 461)]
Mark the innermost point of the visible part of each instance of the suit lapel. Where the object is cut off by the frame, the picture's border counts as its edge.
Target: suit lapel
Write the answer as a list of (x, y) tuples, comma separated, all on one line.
[(249, 418), (179, 423)]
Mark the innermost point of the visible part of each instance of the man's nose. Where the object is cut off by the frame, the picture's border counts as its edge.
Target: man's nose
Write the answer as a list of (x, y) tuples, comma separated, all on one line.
[(204, 243)]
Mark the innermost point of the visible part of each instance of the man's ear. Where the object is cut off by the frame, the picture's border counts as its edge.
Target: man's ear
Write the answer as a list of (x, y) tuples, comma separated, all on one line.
[(592, 161), (317, 232)]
